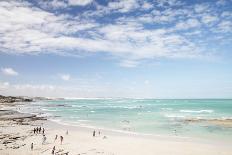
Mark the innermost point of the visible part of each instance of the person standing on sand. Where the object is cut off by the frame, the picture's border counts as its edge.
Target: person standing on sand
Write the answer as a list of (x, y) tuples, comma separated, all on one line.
[(67, 132), (34, 130), (43, 130), (44, 139), (39, 129), (99, 133), (94, 133), (56, 138), (53, 150), (61, 139), (32, 146)]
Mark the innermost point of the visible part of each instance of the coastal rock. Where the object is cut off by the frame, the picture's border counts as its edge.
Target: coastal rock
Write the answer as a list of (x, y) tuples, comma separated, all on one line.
[(12, 99)]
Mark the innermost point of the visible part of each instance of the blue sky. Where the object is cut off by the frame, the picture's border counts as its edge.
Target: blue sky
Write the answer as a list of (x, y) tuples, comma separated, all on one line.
[(121, 48)]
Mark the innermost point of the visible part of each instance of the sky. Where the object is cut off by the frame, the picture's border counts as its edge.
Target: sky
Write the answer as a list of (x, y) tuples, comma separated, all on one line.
[(116, 48)]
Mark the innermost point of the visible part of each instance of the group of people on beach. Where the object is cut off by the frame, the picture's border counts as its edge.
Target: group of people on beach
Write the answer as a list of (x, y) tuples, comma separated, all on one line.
[(38, 130), (94, 133), (61, 142), (44, 138), (61, 139)]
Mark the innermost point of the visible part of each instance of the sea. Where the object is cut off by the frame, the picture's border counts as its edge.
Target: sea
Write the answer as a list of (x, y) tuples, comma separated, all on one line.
[(172, 117)]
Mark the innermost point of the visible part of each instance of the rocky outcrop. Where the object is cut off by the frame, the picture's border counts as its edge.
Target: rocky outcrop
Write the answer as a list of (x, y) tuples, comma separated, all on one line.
[(12, 99)]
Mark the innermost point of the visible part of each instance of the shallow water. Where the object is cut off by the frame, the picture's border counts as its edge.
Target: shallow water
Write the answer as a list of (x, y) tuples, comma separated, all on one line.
[(148, 116)]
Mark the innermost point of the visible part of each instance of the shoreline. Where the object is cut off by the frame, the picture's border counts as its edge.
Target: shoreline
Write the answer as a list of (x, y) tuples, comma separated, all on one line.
[(224, 122), (80, 141), (122, 133)]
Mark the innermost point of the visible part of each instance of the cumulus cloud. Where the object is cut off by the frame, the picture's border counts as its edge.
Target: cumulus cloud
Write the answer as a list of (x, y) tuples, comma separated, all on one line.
[(53, 4), (9, 71), (123, 5), (147, 5), (199, 8), (209, 19), (224, 26), (190, 23), (79, 2)]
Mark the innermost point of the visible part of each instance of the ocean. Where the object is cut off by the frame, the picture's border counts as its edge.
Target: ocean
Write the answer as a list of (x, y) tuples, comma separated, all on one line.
[(174, 117)]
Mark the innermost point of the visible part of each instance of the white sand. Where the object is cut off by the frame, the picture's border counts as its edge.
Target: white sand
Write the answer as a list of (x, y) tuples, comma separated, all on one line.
[(80, 141)]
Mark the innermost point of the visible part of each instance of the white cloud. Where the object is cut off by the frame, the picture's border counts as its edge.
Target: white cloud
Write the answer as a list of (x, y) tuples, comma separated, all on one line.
[(190, 23), (53, 4), (147, 5), (221, 2), (125, 38), (129, 63), (224, 26), (65, 77), (79, 2), (31, 89), (199, 8), (207, 19), (123, 5), (9, 71), (226, 14), (168, 3)]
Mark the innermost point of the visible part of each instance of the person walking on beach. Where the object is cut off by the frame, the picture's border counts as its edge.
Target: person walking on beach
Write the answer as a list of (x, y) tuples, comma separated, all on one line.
[(99, 133), (44, 139), (32, 146), (67, 132), (56, 138), (94, 133), (34, 130), (53, 150), (43, 130), (39, 129), (61, 139)]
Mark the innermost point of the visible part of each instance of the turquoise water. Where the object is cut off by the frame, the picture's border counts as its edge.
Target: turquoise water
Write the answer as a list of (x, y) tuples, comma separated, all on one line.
[(148, 116)]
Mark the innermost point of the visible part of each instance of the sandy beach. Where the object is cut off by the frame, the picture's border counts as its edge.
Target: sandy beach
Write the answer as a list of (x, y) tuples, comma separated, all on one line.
[(116, 77), (16, 136)]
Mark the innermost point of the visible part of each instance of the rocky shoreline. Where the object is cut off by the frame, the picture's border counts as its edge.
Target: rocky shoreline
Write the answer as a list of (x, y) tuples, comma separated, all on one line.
[(11, 118), (12, 99)]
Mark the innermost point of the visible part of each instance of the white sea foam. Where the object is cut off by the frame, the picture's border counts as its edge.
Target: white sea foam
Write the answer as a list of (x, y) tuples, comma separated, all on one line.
[(83, 120), (166, 108), (175, 116), (225, 118), (50, 110), (196, 111)]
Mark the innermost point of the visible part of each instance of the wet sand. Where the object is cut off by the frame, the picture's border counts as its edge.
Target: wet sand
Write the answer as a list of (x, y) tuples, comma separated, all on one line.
[(217, 122)]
